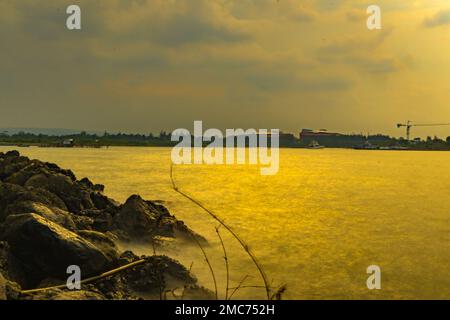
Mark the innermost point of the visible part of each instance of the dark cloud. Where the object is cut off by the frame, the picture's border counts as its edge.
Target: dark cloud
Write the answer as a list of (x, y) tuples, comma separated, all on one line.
[(374, 66), (329, 4), (441, 18), (142, 65), (359, 53), (183, 29), (285, 82)]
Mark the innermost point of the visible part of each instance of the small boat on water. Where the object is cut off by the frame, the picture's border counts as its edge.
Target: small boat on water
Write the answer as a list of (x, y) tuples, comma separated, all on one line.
[(367, 146), (315, 145)]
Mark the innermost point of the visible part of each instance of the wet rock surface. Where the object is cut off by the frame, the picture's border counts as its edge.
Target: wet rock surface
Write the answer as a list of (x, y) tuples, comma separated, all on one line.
[(49, 220), (45, 248)]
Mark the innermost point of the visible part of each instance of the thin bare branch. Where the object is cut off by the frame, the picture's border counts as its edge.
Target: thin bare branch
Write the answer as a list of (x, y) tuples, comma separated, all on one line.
[(234, 234), (225, 256)]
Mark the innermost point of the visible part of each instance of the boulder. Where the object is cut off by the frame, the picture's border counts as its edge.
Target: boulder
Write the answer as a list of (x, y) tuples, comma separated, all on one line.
[(83, 222), (8, 290), (2, 287), (102, 241), (103, 221), (140, 220), (24, 171), (62, 295), (9, 265), (55, 215), (74, 196), (136, 218), (11, 193), (102, 202), (157, 277), (11, 154), (49, 220), (46, 249), (89, 185)]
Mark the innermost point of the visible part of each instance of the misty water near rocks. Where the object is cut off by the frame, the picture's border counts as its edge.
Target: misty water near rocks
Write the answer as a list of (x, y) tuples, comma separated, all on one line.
[(392, 209)]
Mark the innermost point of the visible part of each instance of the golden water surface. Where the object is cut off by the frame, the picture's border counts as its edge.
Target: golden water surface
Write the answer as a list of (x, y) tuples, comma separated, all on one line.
[(315, 226)]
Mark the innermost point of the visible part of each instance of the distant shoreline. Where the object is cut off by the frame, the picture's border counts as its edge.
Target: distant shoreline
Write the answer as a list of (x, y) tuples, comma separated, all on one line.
[(19, 145), (308, 139)]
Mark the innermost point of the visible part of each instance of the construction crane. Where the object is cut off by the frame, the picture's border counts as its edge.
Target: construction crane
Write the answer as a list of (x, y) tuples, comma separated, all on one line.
[(408, 125)]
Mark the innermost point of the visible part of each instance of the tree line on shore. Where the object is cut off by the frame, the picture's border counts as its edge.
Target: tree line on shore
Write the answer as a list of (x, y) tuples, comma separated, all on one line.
[(164, 139)]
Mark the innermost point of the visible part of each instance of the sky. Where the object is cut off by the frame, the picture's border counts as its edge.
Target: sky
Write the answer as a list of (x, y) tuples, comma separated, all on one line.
[(150, 65)]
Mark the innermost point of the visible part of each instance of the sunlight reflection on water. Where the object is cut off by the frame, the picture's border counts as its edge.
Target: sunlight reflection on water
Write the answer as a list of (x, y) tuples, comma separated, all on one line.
[(315, 226)]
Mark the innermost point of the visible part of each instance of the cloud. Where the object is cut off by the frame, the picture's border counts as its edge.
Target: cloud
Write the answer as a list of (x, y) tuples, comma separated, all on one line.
[(374, 65), (140, 65), (293, 10), (180, 22), (328, 5), (441, 18), (184, 29), (361, 53), (136, 89), (285, 81), (356, 15)]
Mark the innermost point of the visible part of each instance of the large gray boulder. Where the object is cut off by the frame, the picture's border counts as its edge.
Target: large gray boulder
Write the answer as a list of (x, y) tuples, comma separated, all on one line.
[(45, 249)]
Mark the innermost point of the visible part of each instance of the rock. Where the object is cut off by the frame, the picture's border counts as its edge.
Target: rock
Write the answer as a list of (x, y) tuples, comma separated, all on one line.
[(11, 154), (127, 257), (57, 294), (140, 220), (55, 215), (8, 194), (154, 278), (46, 249), (83, 222), (102, 241), (12, 170), (75, 198), (8, 290), (24, 171), (4, 252), (49, 220), (89, 185), (43, 196), (11, 193), (103, 221), (136, 218), (9, 265), (56, 169), (102, 202), (2, 287)]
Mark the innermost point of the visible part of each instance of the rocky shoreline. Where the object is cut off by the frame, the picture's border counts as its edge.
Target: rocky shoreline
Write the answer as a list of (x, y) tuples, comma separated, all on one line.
[(49, 221)]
